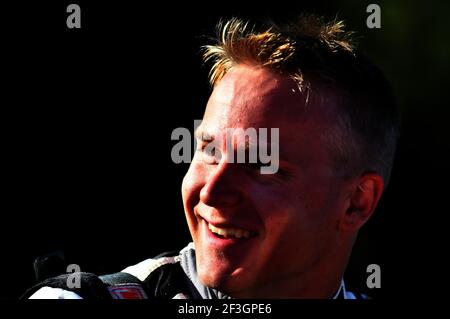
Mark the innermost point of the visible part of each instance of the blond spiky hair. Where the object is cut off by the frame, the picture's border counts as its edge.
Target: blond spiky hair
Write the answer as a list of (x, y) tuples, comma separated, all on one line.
[(276, 47), (320, 56)]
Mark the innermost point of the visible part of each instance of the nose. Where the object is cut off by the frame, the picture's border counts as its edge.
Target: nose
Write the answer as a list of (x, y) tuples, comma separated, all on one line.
[(223, 187)]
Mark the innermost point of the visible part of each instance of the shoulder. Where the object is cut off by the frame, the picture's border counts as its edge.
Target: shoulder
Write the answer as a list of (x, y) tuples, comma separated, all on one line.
[(158, 277), (145, 268)]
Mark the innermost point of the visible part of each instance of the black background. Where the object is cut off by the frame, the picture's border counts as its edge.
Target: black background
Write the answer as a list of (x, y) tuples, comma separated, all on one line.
[(87, 115)]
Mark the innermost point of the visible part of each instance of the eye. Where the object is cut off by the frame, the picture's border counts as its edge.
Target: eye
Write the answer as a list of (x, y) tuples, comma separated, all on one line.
[(258, 164), (209, 153), (209, 150), (281, 174)]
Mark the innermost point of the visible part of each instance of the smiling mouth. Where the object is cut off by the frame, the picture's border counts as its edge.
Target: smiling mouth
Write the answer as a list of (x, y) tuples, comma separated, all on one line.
[(230, 233)]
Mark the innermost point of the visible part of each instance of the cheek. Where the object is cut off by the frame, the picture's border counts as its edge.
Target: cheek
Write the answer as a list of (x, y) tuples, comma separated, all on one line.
[(289, 214), (191, 186), (278, 208), (190, 190), (294, 235)]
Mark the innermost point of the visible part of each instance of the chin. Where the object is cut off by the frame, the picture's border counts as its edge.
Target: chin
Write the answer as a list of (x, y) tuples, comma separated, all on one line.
[(212, 277), (222, 280)]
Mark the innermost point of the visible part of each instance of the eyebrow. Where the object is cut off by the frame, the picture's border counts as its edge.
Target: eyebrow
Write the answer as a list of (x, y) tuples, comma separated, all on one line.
[(203, 136), (206, 137)]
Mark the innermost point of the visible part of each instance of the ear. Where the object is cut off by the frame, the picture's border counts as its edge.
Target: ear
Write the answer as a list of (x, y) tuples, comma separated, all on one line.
[(363, 200)]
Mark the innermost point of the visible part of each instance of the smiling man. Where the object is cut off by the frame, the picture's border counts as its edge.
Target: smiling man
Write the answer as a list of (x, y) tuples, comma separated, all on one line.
[(290, 233), (296, 233)]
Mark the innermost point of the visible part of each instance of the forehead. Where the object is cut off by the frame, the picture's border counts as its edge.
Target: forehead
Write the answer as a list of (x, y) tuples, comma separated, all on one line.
[(253, 97), (249, 97)]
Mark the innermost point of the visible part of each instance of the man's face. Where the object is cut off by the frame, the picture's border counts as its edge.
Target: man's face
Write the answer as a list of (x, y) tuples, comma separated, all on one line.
[(290, 216)]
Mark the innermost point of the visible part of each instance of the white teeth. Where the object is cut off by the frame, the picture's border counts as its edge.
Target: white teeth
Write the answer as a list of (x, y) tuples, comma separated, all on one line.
[(229, 232)]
